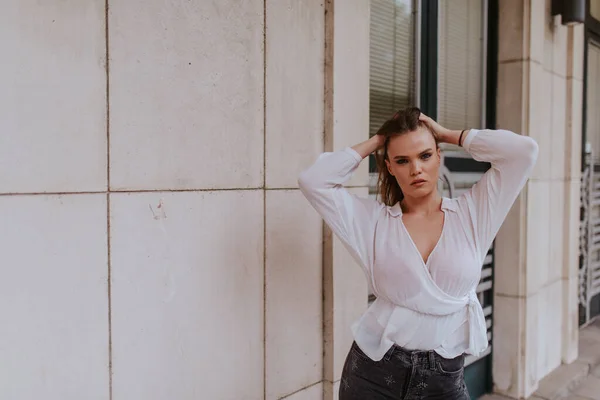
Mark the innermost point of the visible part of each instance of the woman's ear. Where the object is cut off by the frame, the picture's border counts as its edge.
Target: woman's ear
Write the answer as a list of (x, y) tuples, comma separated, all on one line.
[(388, 165)]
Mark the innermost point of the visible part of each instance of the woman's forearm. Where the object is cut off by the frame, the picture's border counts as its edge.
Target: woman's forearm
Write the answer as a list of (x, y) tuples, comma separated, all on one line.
[(452, 136), (501, 148), (369, 146), (444, 135)]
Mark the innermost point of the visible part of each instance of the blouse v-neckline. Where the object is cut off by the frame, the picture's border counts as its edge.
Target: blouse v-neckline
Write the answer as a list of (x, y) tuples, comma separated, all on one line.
[(399, 213), (425, 263)]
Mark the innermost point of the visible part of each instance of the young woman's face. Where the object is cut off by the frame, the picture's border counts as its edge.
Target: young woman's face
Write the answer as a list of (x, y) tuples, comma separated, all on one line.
[(414, 160)]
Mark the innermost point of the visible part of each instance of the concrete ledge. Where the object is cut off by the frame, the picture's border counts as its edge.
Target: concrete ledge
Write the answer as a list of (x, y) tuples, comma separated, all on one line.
[(563, 381), (579, 380), (567, 380)]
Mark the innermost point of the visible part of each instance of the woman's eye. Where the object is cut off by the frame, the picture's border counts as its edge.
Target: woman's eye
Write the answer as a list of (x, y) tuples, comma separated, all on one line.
[(402, 161), (426, 156)]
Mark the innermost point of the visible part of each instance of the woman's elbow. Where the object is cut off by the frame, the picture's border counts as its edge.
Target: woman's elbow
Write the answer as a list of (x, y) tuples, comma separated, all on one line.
[(530, 150), (303, 180), (306, 180)]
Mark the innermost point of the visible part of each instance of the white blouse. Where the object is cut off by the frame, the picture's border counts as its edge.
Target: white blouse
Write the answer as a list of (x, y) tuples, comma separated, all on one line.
[(433, 305)]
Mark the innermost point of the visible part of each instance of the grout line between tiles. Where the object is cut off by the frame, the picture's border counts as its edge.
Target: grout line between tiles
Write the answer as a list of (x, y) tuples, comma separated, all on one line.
[(300, 390), (264, 363), (109, 292), (132, 191), (108, 242)]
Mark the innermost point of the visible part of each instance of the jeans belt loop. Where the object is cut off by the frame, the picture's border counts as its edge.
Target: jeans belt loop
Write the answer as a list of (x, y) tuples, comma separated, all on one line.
[(389, 353)]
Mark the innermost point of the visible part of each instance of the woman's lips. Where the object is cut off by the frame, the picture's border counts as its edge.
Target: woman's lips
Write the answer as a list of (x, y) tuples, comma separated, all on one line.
[(418, 182)]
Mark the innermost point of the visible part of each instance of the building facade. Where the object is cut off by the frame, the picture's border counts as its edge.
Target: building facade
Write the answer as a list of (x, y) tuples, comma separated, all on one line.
[(155, 243)]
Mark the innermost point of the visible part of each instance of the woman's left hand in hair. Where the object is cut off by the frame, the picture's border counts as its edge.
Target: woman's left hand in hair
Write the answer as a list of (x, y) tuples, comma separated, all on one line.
[(436, 128), (444, 135)]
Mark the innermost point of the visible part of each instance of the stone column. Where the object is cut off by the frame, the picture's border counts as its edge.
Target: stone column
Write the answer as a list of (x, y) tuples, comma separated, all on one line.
[(294, 58), (539, 95), (573, 147), (346, 123), (521, 244)]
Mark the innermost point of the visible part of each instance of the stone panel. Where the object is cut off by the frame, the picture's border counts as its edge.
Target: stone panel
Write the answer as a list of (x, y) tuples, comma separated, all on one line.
[(186, 98), (53, 96), (294, 294), (54, 330), (294, 88), (187, 295)]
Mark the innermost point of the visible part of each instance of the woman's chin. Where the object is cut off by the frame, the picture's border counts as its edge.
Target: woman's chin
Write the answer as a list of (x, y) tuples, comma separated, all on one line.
[(418, 192)]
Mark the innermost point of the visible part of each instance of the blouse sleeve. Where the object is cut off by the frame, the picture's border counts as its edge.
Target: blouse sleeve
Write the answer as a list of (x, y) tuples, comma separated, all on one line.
[(512, 158), (353, 219)]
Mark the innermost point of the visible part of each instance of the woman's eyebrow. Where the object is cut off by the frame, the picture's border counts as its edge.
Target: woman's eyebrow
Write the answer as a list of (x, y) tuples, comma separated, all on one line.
[(421, 153)]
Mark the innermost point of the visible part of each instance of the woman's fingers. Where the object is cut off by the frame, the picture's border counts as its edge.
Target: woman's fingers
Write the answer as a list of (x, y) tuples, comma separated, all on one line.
[(428, 121), (435, 128)]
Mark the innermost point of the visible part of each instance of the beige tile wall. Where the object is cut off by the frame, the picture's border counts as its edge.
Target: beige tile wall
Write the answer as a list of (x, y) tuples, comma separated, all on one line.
[(540, 95), (549, 334), (573, 147), (294, 91), (187, 259), (349, 292), (214, 258), (187, 294), (294, 299), (54, 307), (295, 53), (53, 97), (186, 95), (313, 392), (346, 123), (217, 263), (54, 330)]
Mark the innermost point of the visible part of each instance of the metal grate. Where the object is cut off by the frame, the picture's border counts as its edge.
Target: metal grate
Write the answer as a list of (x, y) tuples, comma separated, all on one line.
[(589, 244)]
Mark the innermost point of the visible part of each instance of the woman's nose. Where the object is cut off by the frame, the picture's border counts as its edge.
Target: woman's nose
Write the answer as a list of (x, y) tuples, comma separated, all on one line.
[(416, 169)]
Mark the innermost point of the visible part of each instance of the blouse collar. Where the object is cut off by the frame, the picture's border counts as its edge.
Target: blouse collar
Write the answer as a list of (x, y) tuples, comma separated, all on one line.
[(447, 204)]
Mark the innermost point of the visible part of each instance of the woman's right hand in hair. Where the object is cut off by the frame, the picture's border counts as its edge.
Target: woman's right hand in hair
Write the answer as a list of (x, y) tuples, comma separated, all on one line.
[(369, 146), (380, 140)]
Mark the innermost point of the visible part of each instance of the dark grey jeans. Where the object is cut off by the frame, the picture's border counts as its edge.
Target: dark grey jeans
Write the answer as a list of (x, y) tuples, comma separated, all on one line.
[(403, 375)]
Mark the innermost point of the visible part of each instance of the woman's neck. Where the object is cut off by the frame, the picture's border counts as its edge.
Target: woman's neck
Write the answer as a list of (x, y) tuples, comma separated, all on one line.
[(422, 205)]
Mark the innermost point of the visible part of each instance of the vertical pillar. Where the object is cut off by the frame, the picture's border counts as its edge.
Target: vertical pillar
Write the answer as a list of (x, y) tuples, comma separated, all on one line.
[(573, 147), (522, 243), (346, 123)]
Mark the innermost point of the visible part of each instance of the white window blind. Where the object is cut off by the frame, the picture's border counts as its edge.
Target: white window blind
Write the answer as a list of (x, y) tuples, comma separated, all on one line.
[(391, 59), (461, 58)]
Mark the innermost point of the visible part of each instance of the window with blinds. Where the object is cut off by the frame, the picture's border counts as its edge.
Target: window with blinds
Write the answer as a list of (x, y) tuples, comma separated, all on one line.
[(461, 64), (595, 9), (392, 58)]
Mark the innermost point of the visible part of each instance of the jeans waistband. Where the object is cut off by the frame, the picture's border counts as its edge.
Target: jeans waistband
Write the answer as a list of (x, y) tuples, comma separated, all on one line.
[(419, 358)]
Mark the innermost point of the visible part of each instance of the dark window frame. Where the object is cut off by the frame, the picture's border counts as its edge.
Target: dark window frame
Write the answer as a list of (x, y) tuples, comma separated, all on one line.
[(429, 58)]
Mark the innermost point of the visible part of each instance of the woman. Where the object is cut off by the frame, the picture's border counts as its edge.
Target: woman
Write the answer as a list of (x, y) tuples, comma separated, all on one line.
[(421, 253)]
